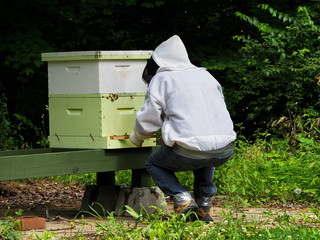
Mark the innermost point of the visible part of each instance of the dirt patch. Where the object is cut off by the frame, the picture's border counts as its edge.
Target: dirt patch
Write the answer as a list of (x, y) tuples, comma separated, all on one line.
[(31, 196)]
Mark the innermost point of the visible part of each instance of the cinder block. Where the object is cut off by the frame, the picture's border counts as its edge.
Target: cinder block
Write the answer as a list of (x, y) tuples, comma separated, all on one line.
[(31, 224), (122, 200), (104, 195), (137, 197)]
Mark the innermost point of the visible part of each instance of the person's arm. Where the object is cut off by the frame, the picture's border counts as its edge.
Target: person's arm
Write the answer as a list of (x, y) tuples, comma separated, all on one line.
[(149, 120)]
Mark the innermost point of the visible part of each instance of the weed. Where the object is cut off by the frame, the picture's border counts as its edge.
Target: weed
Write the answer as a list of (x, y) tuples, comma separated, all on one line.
[(9, 228), (269, 170), (46, 235), (10, 137)]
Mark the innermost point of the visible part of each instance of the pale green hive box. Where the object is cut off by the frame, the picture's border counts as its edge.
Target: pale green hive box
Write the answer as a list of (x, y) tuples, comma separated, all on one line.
[(94, 97)]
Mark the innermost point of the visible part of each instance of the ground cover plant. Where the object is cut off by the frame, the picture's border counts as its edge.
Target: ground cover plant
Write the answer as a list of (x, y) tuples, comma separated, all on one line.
[(9, 227), (272, 170), (159, 226)]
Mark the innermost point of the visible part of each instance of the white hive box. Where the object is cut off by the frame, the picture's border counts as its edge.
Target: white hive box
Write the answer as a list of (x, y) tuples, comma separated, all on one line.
[(94, 97)]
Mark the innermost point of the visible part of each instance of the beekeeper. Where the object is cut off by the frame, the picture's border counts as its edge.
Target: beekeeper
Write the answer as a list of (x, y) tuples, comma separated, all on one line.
[(186, 102)]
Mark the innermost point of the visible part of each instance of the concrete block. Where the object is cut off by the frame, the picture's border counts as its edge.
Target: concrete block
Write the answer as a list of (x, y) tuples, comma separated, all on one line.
[(145, 196), (104, 195), (107, 198), (123, 196)]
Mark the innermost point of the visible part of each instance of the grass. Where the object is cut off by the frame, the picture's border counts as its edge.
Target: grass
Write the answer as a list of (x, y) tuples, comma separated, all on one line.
[(280, 225), (267, 171), (271, 170)]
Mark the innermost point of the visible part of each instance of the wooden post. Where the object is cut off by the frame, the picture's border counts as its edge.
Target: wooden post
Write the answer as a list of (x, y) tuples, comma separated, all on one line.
[(140, 178), (106, 178), (103, 193)]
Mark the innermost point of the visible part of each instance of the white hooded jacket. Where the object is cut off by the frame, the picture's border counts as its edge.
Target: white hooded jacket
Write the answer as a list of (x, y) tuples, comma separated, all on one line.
[(185, 101)]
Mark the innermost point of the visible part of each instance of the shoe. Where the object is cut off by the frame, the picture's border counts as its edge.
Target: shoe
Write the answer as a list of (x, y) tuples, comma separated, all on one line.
[(205, 209), (205, 213), (187, 206)]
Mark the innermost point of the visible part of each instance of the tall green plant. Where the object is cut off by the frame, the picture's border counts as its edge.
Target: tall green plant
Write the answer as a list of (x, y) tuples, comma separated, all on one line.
[(269, 169), (9, 132), (13, 128), (280, 67)]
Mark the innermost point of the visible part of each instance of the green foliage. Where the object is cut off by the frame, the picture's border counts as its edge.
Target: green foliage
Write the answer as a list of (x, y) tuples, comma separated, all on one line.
[(121, 177), (9, 228), (86, 179), (10, 137), (269, 169), (174, 227), (124, 176), (279, 68), (14, 127), (272, 225), (275, 226), (307, 124), (46, 235)]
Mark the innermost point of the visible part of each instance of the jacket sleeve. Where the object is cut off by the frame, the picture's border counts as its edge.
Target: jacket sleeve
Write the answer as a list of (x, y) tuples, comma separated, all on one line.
[(149, 117)]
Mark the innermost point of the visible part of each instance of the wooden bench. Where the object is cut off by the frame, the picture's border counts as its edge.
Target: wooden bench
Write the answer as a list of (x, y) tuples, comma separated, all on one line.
[(48, 162)]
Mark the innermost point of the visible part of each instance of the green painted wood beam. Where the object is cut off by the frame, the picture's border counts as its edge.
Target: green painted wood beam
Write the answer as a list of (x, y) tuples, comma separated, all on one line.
[(51, 162), (25, 152)]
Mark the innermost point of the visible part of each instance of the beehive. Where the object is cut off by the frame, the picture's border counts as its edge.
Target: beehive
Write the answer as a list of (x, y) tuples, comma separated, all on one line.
[(94, 97)]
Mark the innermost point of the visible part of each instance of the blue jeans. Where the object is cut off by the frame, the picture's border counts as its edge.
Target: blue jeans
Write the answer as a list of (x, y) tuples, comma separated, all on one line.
[(163, 162)]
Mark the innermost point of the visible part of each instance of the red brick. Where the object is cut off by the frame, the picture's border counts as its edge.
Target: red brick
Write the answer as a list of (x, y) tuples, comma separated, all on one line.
[(32, 223)]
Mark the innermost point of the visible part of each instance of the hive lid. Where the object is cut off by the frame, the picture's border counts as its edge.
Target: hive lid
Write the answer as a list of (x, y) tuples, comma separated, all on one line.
[(95, 55)]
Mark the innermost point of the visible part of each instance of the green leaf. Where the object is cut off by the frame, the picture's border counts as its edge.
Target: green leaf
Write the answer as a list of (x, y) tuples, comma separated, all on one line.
[(147, 5), (132, 212)]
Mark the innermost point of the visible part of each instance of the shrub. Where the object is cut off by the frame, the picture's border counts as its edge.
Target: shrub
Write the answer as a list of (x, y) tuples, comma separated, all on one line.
[(10, 137), (278, 71)]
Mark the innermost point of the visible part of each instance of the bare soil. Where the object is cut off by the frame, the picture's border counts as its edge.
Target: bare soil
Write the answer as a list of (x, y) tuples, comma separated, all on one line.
[(39, 195)]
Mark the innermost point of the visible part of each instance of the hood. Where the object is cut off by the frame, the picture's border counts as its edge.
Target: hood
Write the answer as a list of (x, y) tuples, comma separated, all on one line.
[(171, 55)]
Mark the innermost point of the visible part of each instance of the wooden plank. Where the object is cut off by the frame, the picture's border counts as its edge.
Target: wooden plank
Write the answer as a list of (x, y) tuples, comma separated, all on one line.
[(25, 152), (71, 162), (35, 151)]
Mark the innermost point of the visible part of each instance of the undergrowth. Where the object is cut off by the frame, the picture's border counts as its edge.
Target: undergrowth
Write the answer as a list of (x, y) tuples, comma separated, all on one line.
[(270, 169), (9, 227)]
